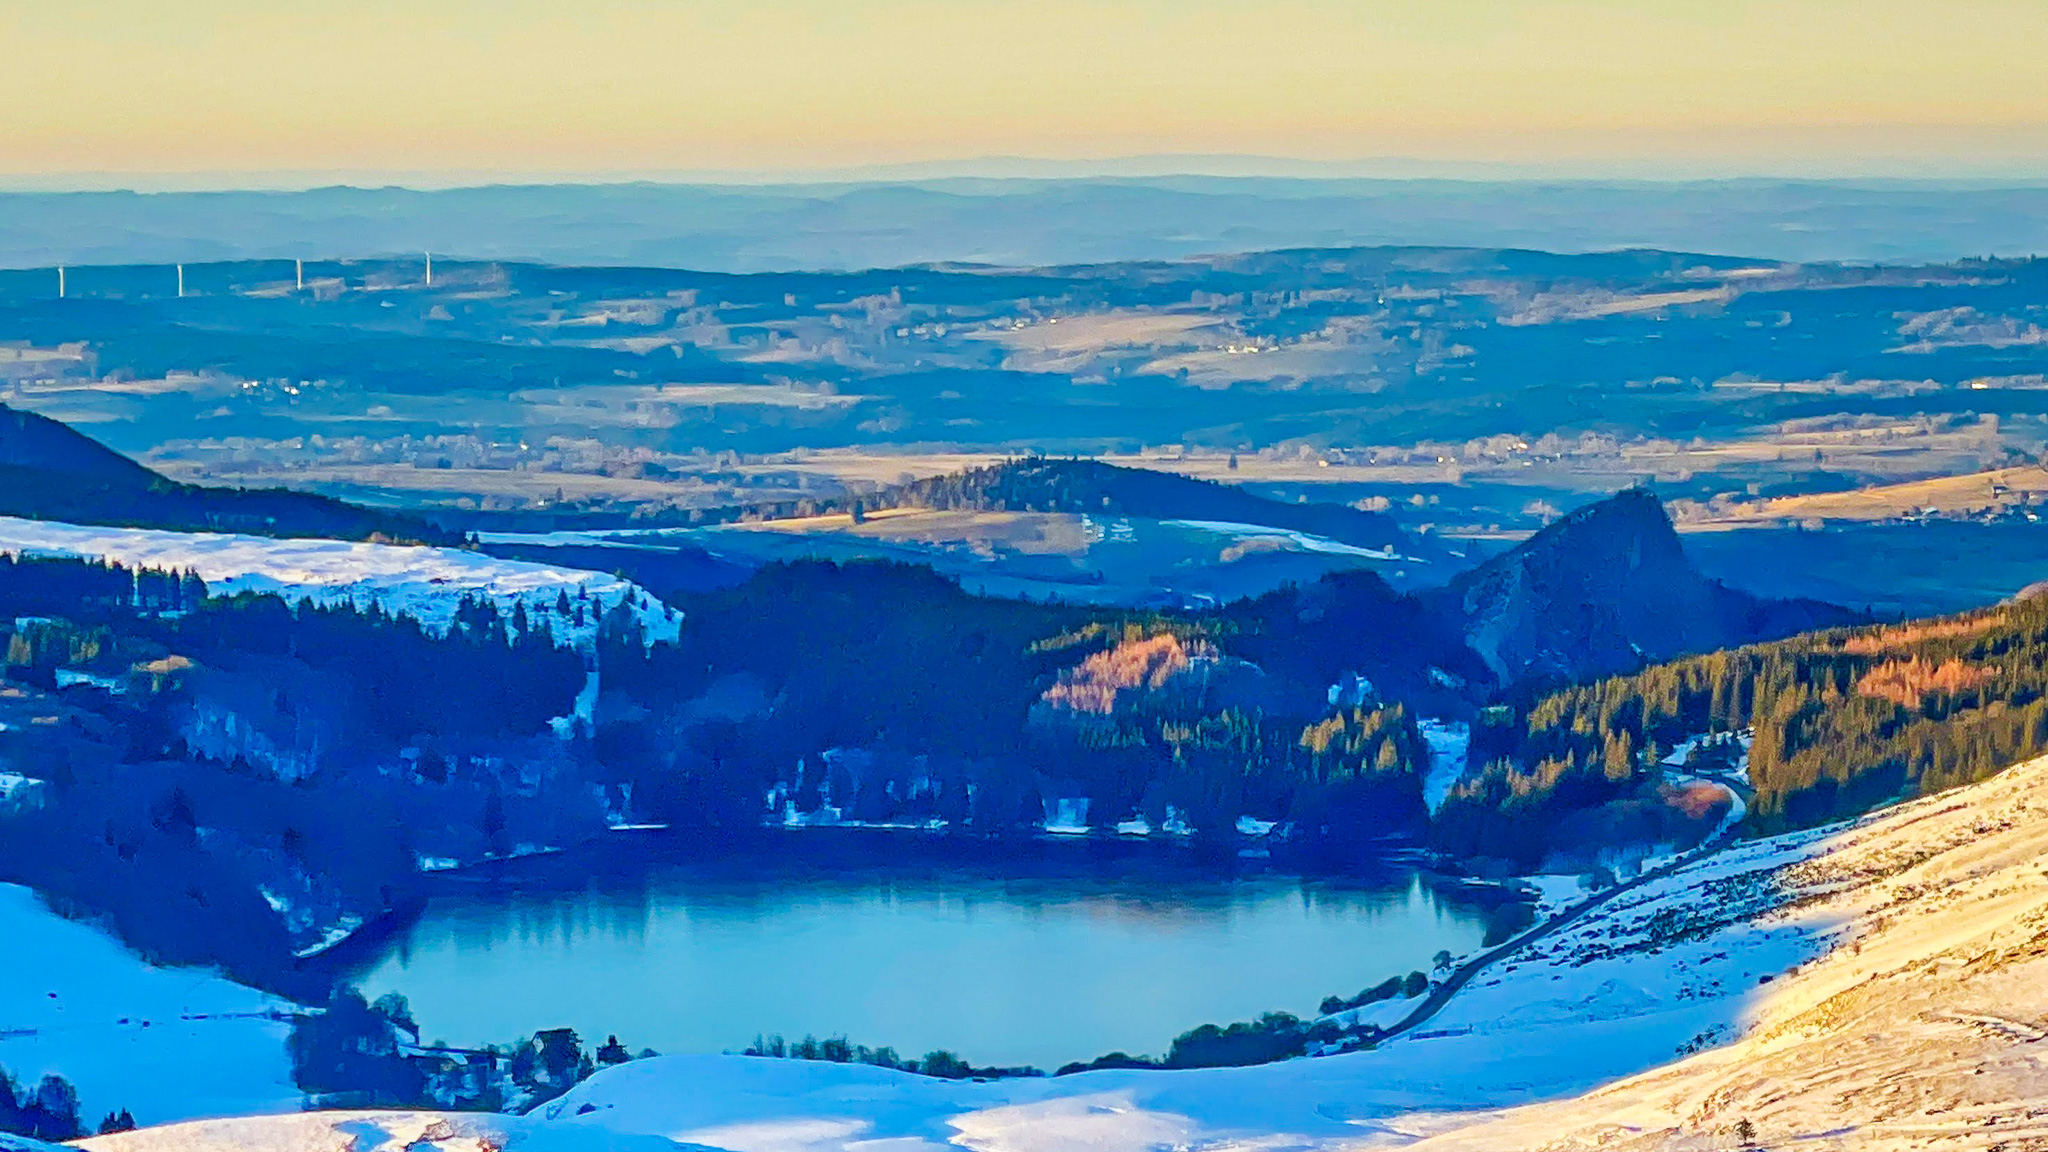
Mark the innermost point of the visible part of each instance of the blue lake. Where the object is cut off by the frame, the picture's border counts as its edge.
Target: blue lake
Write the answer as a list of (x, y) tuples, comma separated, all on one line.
[(1000, 970)]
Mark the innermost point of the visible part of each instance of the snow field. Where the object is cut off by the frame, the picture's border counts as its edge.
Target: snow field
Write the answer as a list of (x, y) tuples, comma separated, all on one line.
[(1303, 541), (165, 1043)]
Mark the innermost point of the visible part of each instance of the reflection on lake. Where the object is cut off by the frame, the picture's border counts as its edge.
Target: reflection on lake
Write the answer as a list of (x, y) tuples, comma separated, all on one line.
[(1000, 970)]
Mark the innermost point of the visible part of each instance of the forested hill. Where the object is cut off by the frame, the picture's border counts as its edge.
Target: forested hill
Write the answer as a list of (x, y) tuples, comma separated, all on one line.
[(1048, 484), (1605, 590), (1042, 484), (1843, 721), (51, 471)]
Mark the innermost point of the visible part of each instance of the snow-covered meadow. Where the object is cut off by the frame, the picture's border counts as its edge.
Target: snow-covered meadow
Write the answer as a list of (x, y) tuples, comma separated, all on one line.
[(164, 1043), (424, 583)]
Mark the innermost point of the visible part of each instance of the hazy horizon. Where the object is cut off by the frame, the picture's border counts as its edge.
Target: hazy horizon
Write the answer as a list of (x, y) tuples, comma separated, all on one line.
[(1029, 170), (237, 89), (1025, 222)]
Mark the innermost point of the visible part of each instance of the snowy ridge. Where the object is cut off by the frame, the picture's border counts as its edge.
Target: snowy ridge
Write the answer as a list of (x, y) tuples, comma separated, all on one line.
[(424, 583)]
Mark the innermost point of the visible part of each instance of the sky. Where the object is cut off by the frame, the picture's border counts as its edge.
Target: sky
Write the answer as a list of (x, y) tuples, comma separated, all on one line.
[(240, 91)]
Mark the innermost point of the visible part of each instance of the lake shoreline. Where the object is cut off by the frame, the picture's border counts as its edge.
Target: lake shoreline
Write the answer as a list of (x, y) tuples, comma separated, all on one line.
[(910, 939)]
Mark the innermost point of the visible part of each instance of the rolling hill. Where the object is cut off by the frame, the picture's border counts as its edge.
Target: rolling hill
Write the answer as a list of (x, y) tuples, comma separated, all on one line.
[(1084, 487), (1044, 484)]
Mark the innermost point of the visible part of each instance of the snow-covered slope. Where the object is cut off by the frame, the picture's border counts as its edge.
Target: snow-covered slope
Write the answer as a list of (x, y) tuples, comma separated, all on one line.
[(1881, 984), (164, 1043), (1928, 1028), (421, 582)]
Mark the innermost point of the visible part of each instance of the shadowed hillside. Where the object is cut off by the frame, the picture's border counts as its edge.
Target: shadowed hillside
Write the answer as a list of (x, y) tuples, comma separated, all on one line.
[(50, 471)]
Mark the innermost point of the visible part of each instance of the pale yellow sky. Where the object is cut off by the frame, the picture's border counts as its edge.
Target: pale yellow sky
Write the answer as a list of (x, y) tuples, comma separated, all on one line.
[(594, 86)]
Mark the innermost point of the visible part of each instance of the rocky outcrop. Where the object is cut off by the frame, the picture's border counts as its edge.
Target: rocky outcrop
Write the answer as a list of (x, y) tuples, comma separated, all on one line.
[(1608, 589)]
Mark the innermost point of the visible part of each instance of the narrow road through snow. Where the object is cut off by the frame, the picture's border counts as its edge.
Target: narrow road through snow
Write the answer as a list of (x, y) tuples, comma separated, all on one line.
[(1441, 995)]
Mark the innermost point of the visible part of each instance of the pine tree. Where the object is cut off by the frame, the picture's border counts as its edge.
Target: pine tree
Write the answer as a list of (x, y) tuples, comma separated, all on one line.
[(53, 1111), (13, 1113)]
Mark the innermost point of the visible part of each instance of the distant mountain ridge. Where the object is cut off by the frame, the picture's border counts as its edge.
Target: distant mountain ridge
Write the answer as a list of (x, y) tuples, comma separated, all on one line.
[(51, 471), (1026, 222), (1608, 589)]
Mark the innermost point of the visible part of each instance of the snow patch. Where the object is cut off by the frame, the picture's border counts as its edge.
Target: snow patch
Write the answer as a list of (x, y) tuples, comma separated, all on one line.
[(1302, 540), (1449, 749), (422, 582)]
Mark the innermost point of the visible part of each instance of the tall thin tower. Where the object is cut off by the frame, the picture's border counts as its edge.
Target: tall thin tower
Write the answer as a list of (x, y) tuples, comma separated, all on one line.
[(299, 271), (181, 281), (430, 269), (60, 281)]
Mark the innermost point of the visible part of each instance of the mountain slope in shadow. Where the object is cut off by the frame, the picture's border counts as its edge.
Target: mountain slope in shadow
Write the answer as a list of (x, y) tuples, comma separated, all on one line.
[(51, 471)]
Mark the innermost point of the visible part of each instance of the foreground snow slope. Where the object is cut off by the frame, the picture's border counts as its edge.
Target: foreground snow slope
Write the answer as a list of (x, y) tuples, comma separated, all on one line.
[(1929, 1029), (1881, 984), (377, 1132), (164, 1043), (421, 582)]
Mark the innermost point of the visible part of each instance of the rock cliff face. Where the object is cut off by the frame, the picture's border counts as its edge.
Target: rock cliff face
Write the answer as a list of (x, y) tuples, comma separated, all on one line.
[(1608, 589)]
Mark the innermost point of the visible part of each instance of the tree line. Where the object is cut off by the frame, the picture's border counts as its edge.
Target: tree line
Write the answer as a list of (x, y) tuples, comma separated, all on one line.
[(368, 1054), (48, 1110), (889, 694), (1842, 721)]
